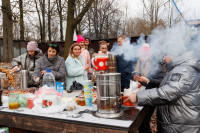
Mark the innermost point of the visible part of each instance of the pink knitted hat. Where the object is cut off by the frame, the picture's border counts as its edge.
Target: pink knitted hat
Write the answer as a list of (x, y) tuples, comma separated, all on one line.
[(80, 39), (144, 50), (32, 46)]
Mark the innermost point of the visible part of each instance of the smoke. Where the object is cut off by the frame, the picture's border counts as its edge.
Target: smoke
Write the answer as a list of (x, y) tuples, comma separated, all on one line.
[(173, 41)]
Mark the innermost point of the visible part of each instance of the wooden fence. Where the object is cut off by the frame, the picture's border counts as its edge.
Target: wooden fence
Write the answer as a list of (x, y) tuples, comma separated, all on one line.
[(20, 46)]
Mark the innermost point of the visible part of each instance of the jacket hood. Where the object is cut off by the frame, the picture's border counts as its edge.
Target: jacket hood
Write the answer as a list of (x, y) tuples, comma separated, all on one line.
[(40, 53), (186, 59)]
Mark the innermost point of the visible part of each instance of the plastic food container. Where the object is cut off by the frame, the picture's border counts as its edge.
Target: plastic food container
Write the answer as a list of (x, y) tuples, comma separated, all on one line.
[(13, 101)]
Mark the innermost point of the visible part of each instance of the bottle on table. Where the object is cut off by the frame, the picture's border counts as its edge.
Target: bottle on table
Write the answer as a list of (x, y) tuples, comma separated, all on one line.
[(49, 80)]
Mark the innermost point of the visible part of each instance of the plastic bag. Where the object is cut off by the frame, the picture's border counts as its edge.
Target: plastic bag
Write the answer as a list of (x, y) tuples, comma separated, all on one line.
[(45, 90), (76, 86), (23, 100)]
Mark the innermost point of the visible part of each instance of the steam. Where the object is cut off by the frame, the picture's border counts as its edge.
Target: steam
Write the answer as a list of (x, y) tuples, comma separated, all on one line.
[(173, 41)]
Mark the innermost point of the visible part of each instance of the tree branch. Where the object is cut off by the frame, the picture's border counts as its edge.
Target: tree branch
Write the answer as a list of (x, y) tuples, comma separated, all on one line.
[(82, 13)]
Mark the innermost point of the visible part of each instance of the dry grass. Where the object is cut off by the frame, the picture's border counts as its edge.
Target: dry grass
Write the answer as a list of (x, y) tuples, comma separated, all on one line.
[(153, 122)]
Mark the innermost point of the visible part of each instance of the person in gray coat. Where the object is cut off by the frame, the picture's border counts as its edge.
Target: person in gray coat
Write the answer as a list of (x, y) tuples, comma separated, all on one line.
[(51, 60), (27, 60), (178, 97)]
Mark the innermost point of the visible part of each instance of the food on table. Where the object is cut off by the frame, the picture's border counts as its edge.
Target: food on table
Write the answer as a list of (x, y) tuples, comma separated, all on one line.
[(81, 100), (23, 100), (14, 101), (13, 105), (10, 75)]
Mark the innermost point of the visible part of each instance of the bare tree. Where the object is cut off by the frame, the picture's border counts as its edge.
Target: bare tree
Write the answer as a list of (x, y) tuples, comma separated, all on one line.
[(72, 22), (40, 8), (21, 19), (60, 13), (152, 8), (7, 31), (103, 19), (49, 15)]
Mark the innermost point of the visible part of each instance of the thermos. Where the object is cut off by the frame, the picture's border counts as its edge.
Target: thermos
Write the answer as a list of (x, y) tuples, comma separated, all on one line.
[(24, 79)]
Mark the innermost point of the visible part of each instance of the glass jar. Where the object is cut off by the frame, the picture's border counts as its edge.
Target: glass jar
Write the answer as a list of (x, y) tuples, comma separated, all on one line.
[(81, 100), (13, 101), (3, 81)]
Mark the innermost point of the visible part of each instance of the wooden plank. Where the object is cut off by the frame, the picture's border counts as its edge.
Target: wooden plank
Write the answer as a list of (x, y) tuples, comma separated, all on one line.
[(48, 126), (136, 124)]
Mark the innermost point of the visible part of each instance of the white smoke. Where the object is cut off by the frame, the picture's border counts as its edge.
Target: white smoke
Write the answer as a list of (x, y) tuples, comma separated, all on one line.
[(173, 41)]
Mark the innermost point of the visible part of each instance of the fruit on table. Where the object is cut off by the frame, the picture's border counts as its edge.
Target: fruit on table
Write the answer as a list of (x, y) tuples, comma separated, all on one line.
[(13, 105)]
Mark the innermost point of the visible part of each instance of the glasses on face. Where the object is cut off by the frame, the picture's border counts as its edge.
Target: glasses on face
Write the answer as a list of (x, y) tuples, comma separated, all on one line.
[(53, 45)]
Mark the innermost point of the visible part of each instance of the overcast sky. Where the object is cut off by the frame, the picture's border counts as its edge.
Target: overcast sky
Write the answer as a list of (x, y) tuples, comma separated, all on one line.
[(189, 8)]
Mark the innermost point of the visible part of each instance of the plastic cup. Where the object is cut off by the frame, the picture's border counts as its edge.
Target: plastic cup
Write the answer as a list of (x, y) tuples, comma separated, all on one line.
[(88, 92), (30, 102), (127, 103)]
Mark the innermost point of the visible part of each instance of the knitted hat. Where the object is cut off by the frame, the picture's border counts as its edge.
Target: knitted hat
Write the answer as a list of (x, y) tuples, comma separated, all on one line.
[(80, 39), (144, 50), (32, 46)]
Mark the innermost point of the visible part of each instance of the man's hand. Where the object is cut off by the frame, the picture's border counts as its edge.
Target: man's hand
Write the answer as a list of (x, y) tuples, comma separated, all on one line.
[(141, 79), (132, 97)]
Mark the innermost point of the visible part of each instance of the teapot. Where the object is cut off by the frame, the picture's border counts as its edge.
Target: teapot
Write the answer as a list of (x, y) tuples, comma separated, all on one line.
[(100, 62)]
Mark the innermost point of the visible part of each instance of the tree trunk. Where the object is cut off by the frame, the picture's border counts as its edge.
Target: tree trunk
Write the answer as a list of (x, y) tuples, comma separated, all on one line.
[(40, 21), (72, 23), (59, 8), (21, 20), (49, 20), (70, 27), (7, 31), (43, 22)]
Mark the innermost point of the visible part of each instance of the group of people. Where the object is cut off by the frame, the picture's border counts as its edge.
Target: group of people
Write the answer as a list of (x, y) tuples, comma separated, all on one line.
[(77, 66), (173, 88)]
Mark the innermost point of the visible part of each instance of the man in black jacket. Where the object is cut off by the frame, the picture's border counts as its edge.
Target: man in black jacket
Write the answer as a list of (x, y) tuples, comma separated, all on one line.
[(125, 67)]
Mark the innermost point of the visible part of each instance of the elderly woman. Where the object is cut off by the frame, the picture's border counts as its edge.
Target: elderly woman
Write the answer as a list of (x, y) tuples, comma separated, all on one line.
[(27, 61), (75, 66), (51, 60)]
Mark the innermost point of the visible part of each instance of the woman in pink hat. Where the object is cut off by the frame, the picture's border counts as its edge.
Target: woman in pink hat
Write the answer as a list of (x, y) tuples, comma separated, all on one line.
[(143, 65), (84, 53)]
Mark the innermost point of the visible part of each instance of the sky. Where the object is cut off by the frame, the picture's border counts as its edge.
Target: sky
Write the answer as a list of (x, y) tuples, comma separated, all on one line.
[(189, 8)]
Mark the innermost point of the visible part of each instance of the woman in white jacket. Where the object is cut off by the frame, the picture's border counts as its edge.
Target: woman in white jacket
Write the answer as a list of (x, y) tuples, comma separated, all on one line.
[(75, 68)]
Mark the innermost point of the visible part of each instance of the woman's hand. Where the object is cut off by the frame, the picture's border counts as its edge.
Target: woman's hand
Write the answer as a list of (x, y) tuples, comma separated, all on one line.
[(43, 72), (36, 79), (86, 67), (141, 79), (132, 97), (16, 68)]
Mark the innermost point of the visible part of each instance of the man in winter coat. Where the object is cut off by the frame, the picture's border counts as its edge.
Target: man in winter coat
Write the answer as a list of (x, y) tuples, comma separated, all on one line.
[(27, 61), (123, 66), (178, 97)]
